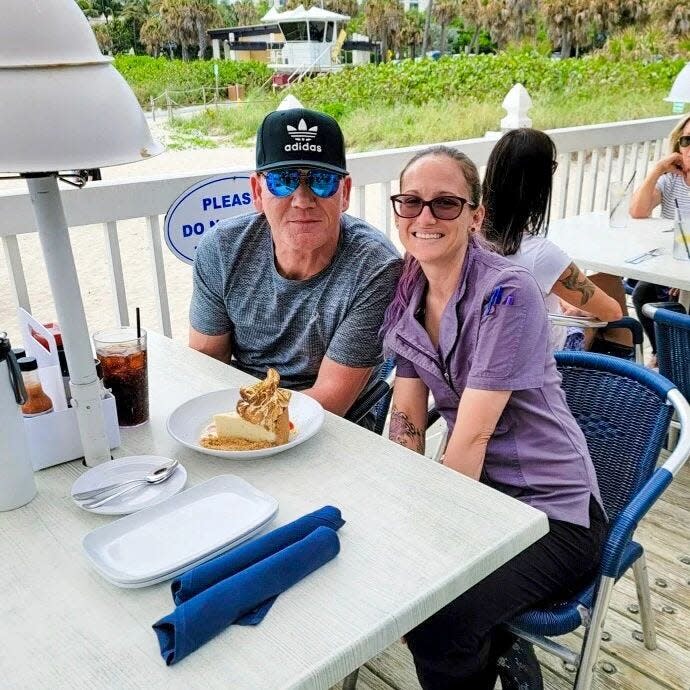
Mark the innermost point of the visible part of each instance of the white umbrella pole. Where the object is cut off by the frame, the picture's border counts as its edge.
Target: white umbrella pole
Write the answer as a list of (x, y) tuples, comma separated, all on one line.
[(62, 274)]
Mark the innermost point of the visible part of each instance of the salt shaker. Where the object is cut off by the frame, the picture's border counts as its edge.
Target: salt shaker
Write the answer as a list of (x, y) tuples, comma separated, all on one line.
[(17, 485)]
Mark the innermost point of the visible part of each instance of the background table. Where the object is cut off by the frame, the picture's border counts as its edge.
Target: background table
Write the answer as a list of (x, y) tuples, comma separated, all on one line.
[(417, 535), (593, 245)]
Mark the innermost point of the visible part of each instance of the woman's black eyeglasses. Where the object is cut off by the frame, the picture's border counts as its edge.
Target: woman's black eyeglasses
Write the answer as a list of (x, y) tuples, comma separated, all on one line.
[(554, 166), (684, 141), (441, 207)]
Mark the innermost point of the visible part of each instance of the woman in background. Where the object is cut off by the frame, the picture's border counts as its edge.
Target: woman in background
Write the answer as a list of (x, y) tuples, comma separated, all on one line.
[(517, 198), (667, 182)]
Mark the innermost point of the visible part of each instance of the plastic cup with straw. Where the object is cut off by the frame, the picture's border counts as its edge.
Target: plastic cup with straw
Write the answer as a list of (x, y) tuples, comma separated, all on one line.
[(618, 214), (679, 230)]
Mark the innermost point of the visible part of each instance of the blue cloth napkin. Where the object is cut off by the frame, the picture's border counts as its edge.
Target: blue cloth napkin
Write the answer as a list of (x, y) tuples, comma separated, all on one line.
[(243, 598), (208, 574)]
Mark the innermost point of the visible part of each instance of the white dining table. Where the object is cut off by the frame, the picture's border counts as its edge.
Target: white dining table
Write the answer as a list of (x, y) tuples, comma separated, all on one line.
[(594, 245), (417, 536)]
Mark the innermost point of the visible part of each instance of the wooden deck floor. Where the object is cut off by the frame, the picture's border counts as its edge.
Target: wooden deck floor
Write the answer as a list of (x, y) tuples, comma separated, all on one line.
[(665, 534)]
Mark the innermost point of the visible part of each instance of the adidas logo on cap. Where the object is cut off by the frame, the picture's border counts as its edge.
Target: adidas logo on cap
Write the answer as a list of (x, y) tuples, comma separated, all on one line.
[(303, 137)]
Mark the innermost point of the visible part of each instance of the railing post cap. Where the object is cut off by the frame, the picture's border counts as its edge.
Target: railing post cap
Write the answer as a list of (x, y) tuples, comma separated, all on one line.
[(289, 102), (516, 104)]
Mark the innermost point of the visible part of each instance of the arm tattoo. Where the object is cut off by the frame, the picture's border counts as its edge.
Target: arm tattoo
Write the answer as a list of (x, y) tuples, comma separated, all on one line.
[(404, 432), (585, 286)]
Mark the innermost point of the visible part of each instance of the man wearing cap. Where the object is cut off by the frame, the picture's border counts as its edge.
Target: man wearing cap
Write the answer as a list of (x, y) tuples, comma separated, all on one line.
[(299, 286)]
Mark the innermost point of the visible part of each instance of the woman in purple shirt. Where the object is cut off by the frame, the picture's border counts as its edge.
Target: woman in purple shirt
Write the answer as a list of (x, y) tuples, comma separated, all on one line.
[(471, 327)]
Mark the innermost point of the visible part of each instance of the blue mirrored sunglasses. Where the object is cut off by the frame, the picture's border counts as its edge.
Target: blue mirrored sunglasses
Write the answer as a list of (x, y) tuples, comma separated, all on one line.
[(282, 183)]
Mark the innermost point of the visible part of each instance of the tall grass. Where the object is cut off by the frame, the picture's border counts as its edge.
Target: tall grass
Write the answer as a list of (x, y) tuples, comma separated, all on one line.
[(380, 126)]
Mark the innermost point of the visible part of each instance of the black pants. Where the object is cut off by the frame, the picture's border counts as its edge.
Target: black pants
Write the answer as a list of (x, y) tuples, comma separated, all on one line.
[(457, 648), (642, 294)]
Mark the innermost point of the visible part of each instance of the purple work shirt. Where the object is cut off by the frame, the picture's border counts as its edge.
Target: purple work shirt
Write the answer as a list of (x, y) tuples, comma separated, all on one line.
[(537, 453)]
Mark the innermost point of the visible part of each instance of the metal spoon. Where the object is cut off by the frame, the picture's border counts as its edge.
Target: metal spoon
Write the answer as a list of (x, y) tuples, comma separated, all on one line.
[(158, 476), (102, 490)]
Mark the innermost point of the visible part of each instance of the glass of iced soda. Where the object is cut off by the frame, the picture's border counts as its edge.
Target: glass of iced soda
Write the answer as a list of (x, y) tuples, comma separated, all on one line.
[(124, 360)]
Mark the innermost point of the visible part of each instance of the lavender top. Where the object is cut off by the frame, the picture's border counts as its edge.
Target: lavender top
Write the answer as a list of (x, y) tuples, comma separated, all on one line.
[(538, 453)]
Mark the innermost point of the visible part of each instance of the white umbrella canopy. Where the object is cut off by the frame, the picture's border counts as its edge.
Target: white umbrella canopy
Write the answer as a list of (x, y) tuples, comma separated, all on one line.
[(63, 105), (680, 91)]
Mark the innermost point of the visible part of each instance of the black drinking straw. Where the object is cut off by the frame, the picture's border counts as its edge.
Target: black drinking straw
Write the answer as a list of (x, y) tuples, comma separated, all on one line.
[(682, 232), (139, 322)]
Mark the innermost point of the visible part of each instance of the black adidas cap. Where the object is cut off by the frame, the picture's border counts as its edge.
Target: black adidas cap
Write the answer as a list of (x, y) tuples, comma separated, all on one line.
[(300, 138)]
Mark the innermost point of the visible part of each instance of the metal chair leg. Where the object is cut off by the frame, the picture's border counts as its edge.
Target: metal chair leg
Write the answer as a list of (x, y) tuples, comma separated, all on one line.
[(350, 682), (592, 641), (644, 597)]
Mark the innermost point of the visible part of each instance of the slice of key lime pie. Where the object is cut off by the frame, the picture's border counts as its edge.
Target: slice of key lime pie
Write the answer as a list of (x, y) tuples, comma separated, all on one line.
[(260, 419)]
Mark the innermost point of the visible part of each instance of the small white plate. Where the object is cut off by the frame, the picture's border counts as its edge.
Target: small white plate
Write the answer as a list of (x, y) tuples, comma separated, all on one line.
[(178, 532), (187, 423), (122, 470)]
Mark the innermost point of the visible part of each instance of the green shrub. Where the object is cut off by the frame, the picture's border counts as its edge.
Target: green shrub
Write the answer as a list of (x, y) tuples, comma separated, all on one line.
[(478, 78), (150, 77)]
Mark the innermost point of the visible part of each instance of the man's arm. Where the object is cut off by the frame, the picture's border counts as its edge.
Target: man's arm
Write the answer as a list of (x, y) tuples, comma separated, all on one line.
[(338, 386), (216, 346)]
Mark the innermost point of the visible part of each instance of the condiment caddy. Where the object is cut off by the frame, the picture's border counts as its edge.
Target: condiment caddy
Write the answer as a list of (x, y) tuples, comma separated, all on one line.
[(53, 437)]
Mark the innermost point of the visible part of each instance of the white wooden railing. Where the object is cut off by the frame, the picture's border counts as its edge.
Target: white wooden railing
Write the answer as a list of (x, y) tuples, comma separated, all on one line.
[(590, 157)]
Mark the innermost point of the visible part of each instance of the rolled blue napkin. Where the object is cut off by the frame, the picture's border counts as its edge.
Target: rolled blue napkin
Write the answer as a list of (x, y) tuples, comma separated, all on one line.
[(244, 598), (208, 574)]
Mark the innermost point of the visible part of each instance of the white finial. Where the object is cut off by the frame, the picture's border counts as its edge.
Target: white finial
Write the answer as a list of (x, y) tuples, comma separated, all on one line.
[(516, 104), (289, 102)]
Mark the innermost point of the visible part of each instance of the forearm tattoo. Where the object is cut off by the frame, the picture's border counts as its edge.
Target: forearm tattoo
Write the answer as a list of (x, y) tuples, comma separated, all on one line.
[(584, 286), (404, 432)]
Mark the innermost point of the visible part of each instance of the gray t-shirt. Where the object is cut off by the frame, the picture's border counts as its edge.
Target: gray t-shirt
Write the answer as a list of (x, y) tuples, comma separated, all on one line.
[(292, 324)]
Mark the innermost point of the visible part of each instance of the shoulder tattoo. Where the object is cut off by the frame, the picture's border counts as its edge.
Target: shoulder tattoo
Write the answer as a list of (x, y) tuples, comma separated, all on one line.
[(582, 285), (404, 432)]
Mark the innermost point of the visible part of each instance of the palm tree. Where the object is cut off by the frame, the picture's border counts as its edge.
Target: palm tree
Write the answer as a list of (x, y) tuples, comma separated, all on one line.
[(89, 8), (179, 18), (103, 37), (246, 12), (108, 8), (348, 7), (382, 20), (505, 20), (560, 23), (674, 14), (469, 11), (411, 32), (205, 13), (444, 12), (427, 26), (136, 12), (154, 34)]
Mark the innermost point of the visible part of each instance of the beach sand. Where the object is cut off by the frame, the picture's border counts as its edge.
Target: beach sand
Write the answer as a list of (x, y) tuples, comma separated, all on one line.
[(89, 249)]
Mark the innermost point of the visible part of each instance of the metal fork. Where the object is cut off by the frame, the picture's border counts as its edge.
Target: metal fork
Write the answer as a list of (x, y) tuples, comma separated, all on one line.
[(643, 257)]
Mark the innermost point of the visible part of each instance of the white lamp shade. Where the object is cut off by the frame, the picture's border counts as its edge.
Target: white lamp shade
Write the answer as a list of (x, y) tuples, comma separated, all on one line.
[(680, 91), (63, 106)]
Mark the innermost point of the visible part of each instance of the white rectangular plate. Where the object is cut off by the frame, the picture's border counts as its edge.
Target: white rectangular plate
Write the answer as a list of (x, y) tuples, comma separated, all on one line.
[(178, 532)]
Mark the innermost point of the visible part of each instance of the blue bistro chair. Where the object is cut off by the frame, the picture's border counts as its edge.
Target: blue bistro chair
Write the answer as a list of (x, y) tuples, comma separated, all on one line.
[(376, 401), (672, 328), (624, 411), (633, 353)]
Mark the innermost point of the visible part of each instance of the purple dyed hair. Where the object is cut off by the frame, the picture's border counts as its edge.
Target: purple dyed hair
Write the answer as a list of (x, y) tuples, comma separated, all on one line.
[(412, 271)]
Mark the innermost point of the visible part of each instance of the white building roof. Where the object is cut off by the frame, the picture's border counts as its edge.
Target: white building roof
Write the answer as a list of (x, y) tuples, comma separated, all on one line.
[(299, 14)]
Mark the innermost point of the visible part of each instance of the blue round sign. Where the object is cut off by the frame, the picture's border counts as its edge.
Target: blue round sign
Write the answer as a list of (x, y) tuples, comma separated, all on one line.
[(199, 208)]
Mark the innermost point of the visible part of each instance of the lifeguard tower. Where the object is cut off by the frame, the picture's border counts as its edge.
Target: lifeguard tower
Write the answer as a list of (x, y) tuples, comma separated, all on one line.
[(313, 42)]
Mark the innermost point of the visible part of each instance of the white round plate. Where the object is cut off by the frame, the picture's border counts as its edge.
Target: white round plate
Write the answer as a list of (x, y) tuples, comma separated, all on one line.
[(122, 470), (187, 423)]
